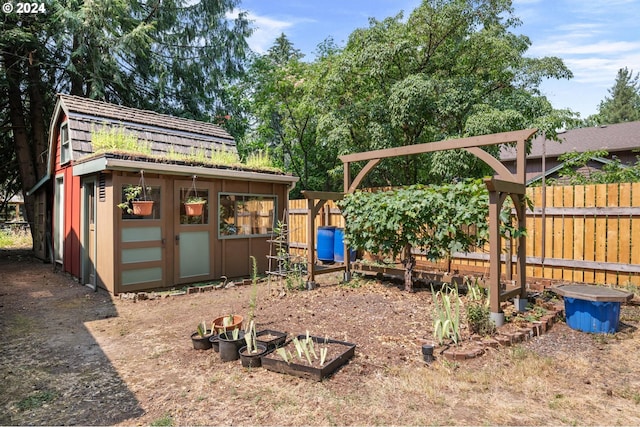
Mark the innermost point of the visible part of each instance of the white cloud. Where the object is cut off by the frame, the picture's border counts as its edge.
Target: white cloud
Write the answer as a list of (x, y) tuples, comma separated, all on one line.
[(266, 30)]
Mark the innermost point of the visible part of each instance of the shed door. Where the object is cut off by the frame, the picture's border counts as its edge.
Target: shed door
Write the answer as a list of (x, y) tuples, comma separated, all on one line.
[(193, 239), (142, 238), (89, 242)]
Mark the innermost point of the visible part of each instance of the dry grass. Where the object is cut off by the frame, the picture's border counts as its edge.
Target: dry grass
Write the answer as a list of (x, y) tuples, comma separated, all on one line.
[(15, 239), (112, 361)]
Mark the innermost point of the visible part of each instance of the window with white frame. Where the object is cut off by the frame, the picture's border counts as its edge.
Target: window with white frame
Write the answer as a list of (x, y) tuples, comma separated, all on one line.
[(65, 143)]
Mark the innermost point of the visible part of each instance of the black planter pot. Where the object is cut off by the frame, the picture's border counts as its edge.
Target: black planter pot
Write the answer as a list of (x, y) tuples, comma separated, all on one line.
[(427, 352), (275, 338), (229, 347), (252, 360), (201, 343), (215, 343)]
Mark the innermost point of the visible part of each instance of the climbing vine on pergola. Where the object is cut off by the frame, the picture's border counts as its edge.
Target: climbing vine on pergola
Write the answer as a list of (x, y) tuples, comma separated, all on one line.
[(503, 184)]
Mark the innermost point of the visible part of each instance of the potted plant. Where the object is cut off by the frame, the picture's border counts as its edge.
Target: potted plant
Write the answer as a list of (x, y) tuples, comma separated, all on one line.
[(227, 323), (200, 338), (229, 342), (251, 353), (309, 357), (135, 200), (194, 205)]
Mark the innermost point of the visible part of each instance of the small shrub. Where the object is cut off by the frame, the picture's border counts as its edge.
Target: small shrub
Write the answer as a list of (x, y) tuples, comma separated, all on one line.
[(36, 400), (479, 319)]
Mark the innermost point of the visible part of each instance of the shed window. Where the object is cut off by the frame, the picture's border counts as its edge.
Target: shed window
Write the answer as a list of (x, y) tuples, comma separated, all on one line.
[(245, 215), (65, 144)]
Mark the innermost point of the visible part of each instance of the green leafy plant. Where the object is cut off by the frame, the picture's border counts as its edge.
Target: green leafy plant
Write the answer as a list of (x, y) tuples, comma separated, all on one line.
[(446, 324), (305, 350), (478, 312), (131, 194), (195, 199), (251, 338), (438, 220), (114, 138), (202, 329)]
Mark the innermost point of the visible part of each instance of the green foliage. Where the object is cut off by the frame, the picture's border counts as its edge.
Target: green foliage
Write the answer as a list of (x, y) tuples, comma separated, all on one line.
[(438, 220), (165, 421), (117, 139), (446, 323), (576, 169), (14, 239), (131, 193), (478, 312), (36, 400), (202, 329), (259, 160), (623, 104), (451, 69)]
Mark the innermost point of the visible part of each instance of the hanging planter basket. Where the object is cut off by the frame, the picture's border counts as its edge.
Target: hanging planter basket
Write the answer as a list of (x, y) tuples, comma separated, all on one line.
[(194, 204), (193, 208), (142, 207)]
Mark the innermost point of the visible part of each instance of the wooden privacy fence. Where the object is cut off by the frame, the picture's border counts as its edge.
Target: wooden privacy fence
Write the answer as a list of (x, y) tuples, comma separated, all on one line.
[(582, 233)]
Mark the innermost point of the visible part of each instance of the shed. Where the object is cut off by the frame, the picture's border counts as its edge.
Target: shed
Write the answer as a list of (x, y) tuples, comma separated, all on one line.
[(80, 227)]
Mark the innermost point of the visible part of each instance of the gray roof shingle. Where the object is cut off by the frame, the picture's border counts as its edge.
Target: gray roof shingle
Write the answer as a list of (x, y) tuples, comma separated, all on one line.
[(164, 133), (617, 137)]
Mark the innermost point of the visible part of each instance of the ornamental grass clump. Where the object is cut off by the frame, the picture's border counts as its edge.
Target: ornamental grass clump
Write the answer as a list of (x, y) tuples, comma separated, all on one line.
[(446, 325)]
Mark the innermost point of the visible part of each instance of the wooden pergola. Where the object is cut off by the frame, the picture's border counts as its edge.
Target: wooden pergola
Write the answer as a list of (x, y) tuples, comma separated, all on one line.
[(502, 185)]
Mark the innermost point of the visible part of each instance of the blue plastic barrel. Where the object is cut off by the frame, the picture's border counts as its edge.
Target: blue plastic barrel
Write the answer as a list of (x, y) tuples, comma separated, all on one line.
[(326, 239), (338, 247), (596, 317)]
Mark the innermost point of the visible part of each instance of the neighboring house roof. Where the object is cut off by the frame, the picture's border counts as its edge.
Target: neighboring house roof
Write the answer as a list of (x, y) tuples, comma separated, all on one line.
[(613, 138), (559, 167), (164, 133)]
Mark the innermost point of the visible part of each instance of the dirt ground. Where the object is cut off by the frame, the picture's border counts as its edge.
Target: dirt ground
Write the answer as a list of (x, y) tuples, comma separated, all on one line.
[(71, 356)]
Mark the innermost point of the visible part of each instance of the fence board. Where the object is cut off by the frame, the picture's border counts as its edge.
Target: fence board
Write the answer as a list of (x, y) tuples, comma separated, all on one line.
[(601, 227), (567, 226), (612, 232), (578, 231)]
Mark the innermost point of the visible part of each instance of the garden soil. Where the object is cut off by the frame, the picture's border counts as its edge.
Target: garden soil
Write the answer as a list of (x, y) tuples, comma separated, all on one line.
[(72, 356)]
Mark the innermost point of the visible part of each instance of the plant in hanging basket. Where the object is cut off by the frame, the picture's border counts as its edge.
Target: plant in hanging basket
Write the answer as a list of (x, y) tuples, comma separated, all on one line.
[(194, 205), (133, 204)]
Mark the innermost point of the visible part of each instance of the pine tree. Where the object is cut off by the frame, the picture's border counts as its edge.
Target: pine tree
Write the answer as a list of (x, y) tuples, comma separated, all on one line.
[(623, 104)]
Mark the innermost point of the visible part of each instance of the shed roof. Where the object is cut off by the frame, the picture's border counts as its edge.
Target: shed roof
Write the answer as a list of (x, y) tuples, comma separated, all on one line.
[(613, 138), (164, 133)]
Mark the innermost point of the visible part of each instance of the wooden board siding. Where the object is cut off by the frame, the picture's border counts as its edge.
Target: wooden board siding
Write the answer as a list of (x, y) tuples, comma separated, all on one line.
[(588, 233)]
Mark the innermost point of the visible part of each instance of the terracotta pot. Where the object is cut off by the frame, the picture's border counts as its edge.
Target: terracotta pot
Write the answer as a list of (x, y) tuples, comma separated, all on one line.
[(219, 325), (142, 207), (193, 209)]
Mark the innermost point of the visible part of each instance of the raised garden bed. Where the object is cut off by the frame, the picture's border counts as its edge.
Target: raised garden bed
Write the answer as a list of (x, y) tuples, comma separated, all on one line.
[(271, 339), (338, 353)]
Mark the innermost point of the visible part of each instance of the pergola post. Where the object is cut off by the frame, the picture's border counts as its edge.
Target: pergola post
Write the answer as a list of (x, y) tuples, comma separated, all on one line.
[(494, 258)]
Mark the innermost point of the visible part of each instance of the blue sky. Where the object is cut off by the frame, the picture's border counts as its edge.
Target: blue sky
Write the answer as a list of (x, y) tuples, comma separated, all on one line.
[(595, 38)]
